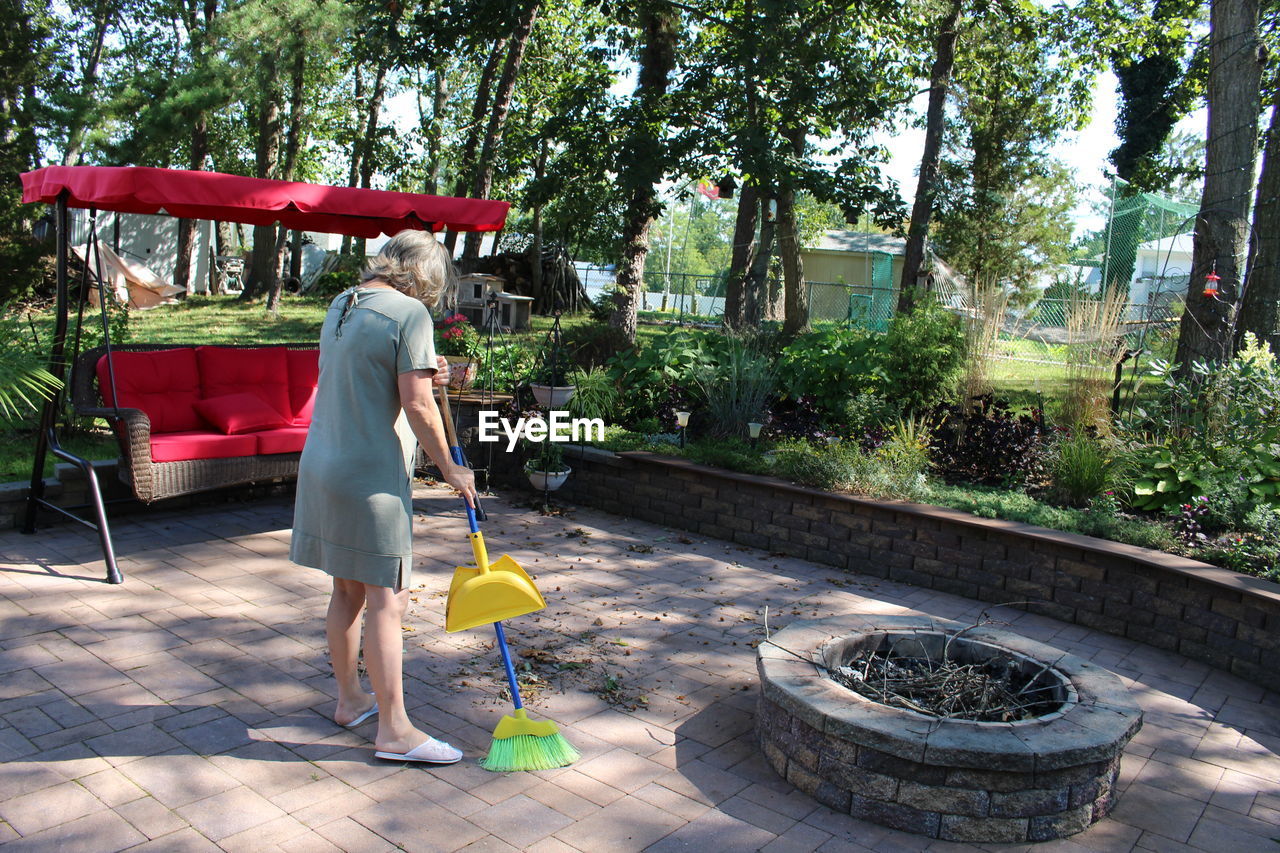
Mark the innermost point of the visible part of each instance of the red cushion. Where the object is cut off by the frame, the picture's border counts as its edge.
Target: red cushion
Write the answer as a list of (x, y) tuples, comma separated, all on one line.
[(237, 413), (229, 370), (200, 444), (288, 439), (304, 373), (165, 384)]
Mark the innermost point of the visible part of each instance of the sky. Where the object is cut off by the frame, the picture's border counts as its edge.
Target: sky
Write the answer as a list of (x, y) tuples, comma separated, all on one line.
[(1084, 152)]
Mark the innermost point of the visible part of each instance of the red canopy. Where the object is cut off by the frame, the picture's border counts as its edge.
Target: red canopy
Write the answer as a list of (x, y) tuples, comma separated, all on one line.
[(258, 201)]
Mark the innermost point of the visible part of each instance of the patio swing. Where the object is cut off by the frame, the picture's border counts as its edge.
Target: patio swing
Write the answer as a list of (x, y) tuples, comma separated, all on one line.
[(195, 195)]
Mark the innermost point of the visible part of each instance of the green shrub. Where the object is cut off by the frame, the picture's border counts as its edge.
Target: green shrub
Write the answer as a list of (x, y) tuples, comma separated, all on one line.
[(596, 395), (27, 269), (25, 383), (866, 411), (649, 372), (1080, 469), (505, 366), (734, 454), (1207, 434), (831, 366), (827, 467), (1235, 478), (924, 353), (737, 390)]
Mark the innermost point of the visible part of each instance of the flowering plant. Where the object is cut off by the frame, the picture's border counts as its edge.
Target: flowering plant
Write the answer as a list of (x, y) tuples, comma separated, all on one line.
[(459, 337)]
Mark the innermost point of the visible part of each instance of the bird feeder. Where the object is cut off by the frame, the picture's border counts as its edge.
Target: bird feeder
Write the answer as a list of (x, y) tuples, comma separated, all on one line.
[(1211, 283)]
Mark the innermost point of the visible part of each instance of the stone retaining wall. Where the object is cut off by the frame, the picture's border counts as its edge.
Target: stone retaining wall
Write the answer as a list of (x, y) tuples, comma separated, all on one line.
[(1227, 620)]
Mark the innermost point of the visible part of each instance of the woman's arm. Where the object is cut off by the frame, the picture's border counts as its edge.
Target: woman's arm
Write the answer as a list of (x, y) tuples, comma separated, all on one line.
[(417, 398)]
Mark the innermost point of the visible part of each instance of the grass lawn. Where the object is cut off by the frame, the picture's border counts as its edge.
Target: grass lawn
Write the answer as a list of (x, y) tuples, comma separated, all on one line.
[(227, 320), (19, 445)]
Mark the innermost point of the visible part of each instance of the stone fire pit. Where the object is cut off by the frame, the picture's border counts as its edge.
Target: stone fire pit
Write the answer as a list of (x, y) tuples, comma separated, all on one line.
[(953, 779)]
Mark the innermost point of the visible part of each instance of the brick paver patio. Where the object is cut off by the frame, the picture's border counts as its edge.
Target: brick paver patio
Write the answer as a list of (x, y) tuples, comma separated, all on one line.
[(189, 709)]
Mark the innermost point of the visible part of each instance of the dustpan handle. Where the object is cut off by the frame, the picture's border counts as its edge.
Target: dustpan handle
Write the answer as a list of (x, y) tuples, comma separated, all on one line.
[(455, 451)]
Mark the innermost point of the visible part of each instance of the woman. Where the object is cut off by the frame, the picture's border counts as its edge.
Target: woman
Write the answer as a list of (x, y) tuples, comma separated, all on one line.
[(353, 517)]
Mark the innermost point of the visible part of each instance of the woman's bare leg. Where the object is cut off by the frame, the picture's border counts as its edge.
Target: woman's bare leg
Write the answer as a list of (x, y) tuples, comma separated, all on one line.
[(342, 628), (384, 657)]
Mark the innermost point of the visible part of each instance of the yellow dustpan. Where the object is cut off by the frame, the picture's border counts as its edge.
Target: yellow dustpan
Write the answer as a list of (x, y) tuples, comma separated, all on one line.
[(484, 593)]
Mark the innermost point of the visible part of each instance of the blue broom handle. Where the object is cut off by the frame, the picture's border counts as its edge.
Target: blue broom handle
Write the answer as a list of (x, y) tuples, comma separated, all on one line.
[(506, 662)]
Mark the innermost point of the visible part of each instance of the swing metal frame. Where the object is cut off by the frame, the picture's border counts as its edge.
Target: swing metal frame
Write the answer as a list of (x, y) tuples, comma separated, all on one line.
[(197, 195)]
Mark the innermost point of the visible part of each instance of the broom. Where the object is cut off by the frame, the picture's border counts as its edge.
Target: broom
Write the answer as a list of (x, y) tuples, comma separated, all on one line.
[(519, 743)]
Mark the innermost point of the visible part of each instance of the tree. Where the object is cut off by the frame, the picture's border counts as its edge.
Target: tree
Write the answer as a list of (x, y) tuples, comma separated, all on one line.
[(789, 95), (1013, 97), (22, 43), (483, 181), (1158, 86), (927, 183), (1260, 303), (1221, 232), (643, 160), (85, 35)]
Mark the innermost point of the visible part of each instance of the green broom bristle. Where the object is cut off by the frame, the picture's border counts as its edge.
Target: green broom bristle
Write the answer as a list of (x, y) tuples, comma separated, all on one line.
[(529, 752)]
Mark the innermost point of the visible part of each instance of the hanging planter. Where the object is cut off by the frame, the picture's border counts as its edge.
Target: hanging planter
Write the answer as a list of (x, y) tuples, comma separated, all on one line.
[(553, 396), (547, 481), (547, 470)]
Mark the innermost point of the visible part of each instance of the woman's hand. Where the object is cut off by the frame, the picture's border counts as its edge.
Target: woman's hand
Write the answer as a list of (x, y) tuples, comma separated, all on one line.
[(463, 479), (442, 371)]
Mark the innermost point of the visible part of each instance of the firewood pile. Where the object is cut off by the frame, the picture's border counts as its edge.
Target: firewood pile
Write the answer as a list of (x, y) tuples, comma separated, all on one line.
[(993, 691)]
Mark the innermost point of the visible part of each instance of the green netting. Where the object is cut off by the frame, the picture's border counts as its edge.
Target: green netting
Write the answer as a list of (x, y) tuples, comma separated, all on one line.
[(1143, 248)]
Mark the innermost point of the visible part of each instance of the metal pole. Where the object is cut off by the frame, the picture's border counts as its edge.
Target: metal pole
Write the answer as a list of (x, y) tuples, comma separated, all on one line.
[(48, 413)]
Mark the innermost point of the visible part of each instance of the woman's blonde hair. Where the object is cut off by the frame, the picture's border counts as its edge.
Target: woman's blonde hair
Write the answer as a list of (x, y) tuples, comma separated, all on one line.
[(414, 262)]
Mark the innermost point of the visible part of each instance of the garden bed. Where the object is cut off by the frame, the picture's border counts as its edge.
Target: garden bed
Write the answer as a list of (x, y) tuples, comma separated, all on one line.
[(1227, 620)]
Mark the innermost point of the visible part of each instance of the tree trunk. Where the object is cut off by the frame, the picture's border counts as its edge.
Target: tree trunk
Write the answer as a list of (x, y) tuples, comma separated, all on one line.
[(1261, 301), (482, 185), (434, 130), (293, 141), (642, 165), (186, 228), (758, 302), (262, 273), (367, 160), (541, 302), (744, 251), (927, 184), (103, 13), (795, 311), (353, 168), (1235, 75), (479, 109)]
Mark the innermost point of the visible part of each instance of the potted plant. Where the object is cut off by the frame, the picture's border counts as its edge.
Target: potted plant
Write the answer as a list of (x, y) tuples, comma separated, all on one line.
[(460, 346), (551, 385), (546, 469)]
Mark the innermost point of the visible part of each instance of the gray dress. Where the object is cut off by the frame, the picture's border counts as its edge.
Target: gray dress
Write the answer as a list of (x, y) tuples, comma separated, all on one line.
[(353, 513)]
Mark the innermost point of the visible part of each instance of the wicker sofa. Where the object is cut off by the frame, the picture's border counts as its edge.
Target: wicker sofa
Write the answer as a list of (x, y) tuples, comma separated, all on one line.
[(194, 418)]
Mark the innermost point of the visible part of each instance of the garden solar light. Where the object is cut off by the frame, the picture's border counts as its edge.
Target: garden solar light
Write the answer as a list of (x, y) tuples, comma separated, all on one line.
[(682, 421), (753, 430)]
